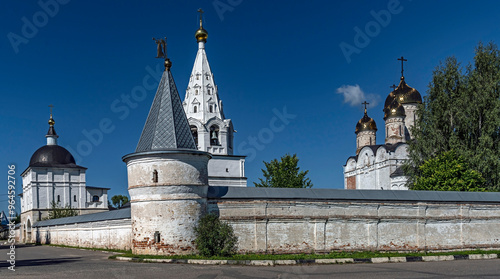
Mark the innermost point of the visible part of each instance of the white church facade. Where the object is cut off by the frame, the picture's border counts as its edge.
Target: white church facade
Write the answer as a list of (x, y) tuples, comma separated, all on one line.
[(380, 166), (54, 177)]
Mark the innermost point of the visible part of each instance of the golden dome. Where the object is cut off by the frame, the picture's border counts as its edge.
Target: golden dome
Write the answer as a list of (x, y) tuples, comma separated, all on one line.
[(51, 121), (403, 94), (167, 64), (394, 109), (366, 124), (201, 35)]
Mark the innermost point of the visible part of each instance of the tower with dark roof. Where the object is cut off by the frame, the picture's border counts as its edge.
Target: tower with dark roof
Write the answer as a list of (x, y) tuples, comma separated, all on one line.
[(167, 177), (366, 131), (53, 177)]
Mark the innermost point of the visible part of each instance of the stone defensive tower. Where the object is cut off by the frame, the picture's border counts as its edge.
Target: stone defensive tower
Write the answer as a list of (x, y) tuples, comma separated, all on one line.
[(167, 176)]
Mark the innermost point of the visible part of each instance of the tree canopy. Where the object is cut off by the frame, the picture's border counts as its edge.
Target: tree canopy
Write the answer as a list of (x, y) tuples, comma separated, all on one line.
[(284, 173), (57, 211), (118, 201), (461, 112), (448, 172)]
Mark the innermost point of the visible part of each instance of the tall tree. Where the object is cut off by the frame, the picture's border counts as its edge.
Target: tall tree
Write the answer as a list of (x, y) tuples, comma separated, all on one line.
[(448, 172), (284, 173), (461, 112)]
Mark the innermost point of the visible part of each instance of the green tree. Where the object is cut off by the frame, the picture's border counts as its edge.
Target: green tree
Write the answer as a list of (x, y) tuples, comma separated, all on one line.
[(56, 211), (448, 172), (215, 238), (284, 174), (461, 112), (118, 201)]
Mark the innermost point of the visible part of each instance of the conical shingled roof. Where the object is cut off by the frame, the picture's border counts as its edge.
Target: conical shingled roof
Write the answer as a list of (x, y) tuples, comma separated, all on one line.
[(167, 126)]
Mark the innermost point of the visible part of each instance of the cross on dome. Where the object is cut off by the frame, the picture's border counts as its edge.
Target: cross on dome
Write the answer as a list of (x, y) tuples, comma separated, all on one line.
[(402, 59)]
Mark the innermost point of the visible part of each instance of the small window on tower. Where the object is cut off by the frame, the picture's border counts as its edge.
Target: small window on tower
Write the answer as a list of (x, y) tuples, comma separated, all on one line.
[(74, 198), (211, 108), (58, 198), (207, 77), (196, 92), (155, 176), (195, 109), (208, 90)]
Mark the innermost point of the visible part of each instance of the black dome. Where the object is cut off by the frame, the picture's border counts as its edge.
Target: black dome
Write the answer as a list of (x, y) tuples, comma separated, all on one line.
[(52, 156)]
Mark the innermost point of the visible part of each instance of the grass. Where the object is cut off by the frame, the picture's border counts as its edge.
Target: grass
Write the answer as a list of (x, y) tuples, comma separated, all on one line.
[(247, 257), (332, 255)]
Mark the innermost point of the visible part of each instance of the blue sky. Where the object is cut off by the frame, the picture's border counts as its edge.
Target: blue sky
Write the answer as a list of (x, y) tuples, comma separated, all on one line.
[(267, 56)]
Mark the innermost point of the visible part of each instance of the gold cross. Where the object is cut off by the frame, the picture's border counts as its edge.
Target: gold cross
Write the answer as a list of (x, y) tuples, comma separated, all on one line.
[(51, 106), (365, 103)]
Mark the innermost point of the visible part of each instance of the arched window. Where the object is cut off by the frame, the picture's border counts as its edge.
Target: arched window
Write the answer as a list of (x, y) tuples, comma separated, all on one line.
[(95, 198), (195, 109), (74, 198), (211, 108), (194, 132), (58, 198), (214, 135)]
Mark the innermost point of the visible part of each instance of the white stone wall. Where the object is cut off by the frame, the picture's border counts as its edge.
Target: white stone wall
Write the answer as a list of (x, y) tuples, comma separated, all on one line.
[(294, 226), (110, 234), (227, 171), (365, 138), (410, 119), (395, 130), (372, 170)]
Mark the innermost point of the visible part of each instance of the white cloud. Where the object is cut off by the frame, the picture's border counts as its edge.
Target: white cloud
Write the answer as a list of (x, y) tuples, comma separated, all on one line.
[(354, 96)]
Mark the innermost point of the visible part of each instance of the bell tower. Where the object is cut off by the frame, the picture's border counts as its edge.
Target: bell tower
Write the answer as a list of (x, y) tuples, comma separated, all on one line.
[(211, 131)]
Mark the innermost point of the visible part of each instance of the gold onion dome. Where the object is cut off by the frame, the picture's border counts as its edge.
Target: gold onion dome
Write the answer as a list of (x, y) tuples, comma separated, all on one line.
[(201, 35), (403, 94), (366, 124), (51, 121), (395, 109)]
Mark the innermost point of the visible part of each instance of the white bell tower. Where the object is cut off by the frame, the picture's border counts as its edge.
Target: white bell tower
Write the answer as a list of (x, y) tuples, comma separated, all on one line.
[(211, 130)]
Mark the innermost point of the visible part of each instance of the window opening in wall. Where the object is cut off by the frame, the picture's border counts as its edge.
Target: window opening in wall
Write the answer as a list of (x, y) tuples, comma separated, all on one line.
[(196, 91), (214, 135), (194, 132), (211, 108), (195, 109), (157, 237), (58, 198), (208, 90), (155, 176), (74, 198), (95, 198)]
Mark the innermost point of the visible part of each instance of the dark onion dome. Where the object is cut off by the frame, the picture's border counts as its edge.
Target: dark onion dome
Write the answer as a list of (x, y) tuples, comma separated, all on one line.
[(53, 156), (404, 94), (366, 124), (393, 110)]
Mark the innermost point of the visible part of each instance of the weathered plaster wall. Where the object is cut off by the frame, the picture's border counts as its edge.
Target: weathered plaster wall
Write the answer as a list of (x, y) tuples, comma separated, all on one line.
[(109, 234), (293, 226)]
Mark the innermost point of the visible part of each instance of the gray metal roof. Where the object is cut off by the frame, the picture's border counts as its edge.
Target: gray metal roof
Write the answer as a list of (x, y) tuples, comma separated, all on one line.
[(166, 126), (218, 192), (94, 217)]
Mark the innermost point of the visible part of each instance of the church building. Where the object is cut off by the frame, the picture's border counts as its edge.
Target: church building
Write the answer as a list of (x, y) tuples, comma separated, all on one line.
[(54, 177), (379, 166), (211, 130)]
